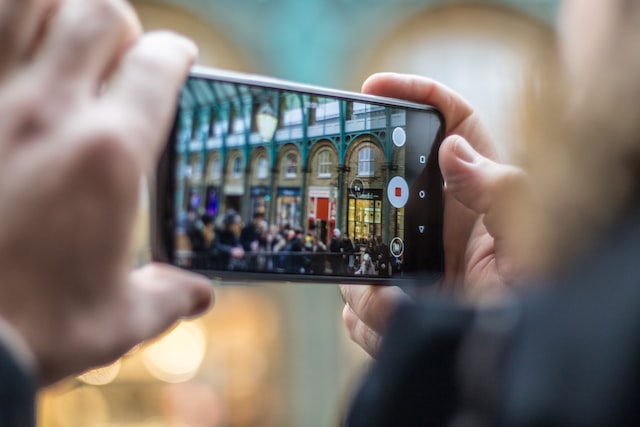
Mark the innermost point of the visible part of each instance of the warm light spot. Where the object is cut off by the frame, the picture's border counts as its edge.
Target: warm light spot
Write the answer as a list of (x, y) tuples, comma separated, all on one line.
[(102, 375), (177, 356), (83, 406)]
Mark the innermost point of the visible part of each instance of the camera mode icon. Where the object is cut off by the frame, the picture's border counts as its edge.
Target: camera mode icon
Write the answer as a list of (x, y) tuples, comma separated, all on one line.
[(396, 247)]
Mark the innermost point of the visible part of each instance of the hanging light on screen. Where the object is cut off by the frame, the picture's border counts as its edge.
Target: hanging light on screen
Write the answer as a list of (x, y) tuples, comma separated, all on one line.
[(267, 122)]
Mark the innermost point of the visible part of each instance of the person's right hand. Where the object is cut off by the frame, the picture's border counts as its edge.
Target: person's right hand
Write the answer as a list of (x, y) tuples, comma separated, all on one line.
[(237, 252), (86, 103), (477, 255)]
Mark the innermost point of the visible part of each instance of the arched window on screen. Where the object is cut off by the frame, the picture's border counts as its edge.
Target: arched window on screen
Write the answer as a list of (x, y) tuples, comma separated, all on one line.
[(262, 170), (366, 161), (216, 169), (324, 164), (291, 166), (236, 170)]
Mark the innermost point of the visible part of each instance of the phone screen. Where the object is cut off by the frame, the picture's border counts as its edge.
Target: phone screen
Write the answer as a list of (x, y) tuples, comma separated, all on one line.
[(271, 181)]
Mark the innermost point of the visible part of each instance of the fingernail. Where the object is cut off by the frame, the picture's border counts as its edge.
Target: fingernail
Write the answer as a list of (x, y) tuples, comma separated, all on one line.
[(464, 151)]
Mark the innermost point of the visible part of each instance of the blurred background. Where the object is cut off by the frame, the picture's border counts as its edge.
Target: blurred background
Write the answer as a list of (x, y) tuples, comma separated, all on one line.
[(277, 354)]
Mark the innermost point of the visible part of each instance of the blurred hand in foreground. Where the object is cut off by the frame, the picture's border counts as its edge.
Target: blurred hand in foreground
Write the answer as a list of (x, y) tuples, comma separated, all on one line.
[(86, 102)]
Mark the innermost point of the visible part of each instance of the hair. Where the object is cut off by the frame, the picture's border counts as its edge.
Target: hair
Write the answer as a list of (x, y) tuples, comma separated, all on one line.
[(232, 217), (207, 219), (583, 150)]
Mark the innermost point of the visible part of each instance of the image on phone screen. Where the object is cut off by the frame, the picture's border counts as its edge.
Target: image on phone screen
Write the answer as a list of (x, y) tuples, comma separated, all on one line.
[(271, 181)]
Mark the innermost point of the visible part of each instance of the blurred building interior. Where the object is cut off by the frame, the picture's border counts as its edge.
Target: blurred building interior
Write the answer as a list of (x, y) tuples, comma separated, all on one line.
[(277, 354)]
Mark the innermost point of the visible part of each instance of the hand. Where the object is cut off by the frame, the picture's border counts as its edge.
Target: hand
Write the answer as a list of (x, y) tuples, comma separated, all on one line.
[(476, 253), (237, 252), (87, 102), (367, 311)]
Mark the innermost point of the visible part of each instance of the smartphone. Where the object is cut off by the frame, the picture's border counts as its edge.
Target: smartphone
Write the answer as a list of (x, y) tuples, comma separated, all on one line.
[(270, 180)]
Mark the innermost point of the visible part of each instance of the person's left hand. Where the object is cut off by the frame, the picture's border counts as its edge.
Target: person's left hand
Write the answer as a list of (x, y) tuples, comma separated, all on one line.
[(86, 103), (477, 252)]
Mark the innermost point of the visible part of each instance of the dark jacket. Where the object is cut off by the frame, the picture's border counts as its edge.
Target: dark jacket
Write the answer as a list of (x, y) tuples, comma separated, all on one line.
[(567, 356), (294, 261), (196, 238), (17, 393), (223, 242), (250, 234)]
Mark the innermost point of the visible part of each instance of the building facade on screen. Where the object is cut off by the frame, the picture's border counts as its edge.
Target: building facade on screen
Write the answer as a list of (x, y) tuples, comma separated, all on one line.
[(313, 163)]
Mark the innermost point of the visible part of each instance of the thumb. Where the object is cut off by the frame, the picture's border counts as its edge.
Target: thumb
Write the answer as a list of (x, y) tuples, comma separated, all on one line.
[(479, 183), (163, 295), (471, 178), (155, 297)]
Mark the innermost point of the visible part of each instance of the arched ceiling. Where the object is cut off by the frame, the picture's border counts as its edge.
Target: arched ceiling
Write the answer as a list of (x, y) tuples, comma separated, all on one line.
[(316, 40)]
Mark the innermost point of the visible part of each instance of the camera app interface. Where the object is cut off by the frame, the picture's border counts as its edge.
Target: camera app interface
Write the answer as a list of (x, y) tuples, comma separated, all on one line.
[(277, 181)]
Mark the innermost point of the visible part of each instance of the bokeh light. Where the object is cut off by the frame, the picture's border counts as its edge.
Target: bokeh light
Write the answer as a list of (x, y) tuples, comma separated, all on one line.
[(103, 375), (177, 356), (81, 407)]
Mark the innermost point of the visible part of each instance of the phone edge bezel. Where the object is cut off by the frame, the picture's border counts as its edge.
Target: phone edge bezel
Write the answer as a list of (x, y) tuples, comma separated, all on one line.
[(160, 251)]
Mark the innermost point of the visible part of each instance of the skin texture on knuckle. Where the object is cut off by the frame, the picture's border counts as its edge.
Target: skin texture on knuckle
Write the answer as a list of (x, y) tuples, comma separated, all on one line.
[(373, 305), (100, 161), (99, 18), (372, 342), (367, 338), (83, 28), (160, 61), (504, 186), (12, 15), (163, 50), (349, 319), (359, 332), (25, 101), (148, 82), (368, 302), (21, 22), (105, 156), (352, 322), (511, 180)]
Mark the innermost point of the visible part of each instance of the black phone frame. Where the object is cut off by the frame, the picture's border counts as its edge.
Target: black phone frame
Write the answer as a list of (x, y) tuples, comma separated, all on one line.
[(163, 190)]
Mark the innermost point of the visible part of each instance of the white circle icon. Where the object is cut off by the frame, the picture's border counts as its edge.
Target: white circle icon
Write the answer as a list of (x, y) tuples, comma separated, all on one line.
[(396, 247), (399, 137), (398, 192)]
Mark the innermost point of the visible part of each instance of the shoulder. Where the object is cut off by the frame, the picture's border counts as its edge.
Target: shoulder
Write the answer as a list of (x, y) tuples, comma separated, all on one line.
[(17, 392)]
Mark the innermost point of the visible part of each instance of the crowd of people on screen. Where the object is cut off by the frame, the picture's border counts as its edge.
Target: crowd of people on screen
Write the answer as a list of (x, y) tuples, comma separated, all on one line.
[(228, 243)]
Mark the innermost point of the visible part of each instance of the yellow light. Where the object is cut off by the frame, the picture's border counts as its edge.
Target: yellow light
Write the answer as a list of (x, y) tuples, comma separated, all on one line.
[(177, 356), (102, 375), (83, 406)]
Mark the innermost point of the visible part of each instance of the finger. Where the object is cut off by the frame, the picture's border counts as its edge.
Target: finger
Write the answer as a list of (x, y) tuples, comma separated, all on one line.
[(459, 115), (21, 23), (422, 90), (84, 41), (161, 295), (479, 183), (373, 305), (360, 333), (146, 87), (157, 297)]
